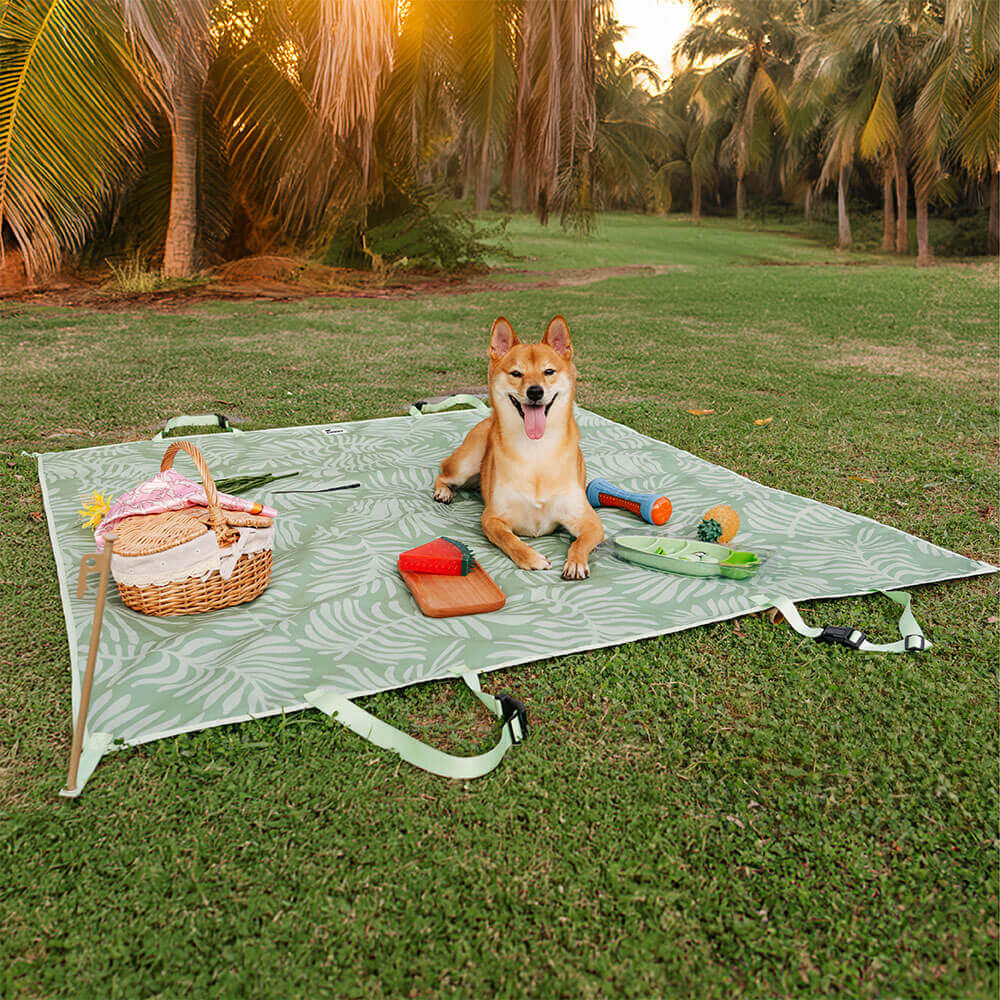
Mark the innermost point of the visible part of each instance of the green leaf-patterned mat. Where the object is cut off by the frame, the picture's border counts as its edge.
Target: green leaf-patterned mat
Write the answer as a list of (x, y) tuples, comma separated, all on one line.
[(337, 615)]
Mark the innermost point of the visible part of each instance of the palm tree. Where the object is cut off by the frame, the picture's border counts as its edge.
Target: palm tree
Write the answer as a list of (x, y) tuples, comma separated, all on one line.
[(174, 42), (58, 173), (484, 44), (694, 135), (836, 99), (555, 118), (289, 112), (752, 46), (956, 112), (867, 54), (629, 138)]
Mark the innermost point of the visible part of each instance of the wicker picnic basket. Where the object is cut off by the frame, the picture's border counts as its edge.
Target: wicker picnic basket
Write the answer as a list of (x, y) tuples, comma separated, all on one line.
[(196, 559)]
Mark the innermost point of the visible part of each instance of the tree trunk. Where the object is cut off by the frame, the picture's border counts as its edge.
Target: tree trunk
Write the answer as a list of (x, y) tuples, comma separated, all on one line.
[(902, 212), (888, 210), (740, 197), (807, 208), (695, 201), (483, 177), (924, 255), (182, 224), (518, 198), (843, 222), (469, 161), (995, 213)]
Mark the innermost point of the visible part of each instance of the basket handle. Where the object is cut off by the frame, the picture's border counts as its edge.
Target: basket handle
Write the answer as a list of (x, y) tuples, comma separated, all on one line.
[(216, 519)]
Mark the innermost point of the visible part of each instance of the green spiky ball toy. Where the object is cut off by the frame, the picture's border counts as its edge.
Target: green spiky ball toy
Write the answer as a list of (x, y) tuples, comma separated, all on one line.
[(709, 530)]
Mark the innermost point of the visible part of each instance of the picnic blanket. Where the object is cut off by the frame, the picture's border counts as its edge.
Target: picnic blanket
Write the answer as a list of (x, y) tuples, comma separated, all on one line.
[(337, 621)]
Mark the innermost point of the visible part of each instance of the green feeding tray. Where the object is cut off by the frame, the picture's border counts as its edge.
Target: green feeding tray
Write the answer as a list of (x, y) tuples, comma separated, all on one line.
[(687, 556)]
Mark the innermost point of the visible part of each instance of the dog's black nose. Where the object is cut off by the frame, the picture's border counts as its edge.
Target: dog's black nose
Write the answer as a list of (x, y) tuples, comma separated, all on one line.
[(535, 393)]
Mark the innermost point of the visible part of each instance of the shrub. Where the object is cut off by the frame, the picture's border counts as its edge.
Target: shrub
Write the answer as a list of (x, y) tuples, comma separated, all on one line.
[(409, 228)]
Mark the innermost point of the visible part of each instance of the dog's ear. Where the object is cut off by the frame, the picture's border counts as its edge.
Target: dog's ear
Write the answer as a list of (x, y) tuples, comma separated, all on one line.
[(557, 337), (502, 338)]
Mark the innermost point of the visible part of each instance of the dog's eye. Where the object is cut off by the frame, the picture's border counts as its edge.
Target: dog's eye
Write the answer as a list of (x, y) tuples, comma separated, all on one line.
[(549, 371), (516, 374)]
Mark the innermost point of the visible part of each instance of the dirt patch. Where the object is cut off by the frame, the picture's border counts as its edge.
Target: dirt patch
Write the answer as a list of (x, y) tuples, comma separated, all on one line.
[(909, 360), (283, 279), (589, 276), (905, 359)]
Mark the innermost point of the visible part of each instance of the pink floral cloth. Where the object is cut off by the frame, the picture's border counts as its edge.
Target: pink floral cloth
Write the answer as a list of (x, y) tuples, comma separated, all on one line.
[(169, 491)]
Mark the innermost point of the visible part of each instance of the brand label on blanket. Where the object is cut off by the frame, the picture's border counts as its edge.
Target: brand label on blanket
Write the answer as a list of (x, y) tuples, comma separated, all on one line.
[(334, 430)]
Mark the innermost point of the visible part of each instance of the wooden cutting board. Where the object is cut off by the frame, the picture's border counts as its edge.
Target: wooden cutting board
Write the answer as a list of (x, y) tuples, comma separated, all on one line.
[(441, 596)]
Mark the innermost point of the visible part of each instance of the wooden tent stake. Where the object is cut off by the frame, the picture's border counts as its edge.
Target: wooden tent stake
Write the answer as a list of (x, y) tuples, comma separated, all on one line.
[(96, 562)]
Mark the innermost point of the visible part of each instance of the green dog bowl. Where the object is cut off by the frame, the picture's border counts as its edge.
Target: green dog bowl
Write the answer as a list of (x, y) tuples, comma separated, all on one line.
[(682, 555)]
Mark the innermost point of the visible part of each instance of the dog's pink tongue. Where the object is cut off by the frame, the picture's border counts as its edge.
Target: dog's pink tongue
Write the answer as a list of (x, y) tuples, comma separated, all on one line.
[(534, 421)]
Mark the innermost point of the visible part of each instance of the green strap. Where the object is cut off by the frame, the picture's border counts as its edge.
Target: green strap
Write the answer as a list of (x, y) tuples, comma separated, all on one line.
[(460, 399), (913, 639), (95, 746), (198, 420), (368, 727)]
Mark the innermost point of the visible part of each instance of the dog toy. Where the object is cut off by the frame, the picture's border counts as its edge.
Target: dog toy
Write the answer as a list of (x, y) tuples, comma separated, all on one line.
[(718, 524), (651, 507), (682, 555), (443, 556)]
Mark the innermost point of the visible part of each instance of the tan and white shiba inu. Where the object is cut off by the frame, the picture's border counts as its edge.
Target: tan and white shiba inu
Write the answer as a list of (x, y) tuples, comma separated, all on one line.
[(526, 453)]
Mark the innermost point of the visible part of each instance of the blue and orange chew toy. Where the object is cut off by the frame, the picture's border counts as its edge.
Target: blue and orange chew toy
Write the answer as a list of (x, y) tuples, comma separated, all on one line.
[(443, 556), (651, 507)]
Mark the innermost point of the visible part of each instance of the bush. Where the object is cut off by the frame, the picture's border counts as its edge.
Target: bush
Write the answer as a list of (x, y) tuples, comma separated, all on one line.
[(961, 236), (411, 229)]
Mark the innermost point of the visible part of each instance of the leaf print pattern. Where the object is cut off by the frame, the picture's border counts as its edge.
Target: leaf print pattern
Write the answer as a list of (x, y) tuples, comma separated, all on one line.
[(337, 614)]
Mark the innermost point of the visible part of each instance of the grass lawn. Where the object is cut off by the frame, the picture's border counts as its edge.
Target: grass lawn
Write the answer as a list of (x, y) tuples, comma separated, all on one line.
[(728, 811)]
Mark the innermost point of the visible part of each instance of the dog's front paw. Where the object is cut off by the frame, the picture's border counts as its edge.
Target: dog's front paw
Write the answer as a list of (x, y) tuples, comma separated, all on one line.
[(531, 559), (443, 493), (573, 570)]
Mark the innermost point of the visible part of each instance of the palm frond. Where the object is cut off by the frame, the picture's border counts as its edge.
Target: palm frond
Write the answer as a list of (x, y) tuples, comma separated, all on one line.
[(977, 145), (72, 122), (881, 131)]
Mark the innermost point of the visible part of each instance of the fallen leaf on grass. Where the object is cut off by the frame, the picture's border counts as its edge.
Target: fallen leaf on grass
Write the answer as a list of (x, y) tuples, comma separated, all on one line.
[(862, 479), (701, 413), (36, 516), (986, 512), (992, 620), (763, 421)]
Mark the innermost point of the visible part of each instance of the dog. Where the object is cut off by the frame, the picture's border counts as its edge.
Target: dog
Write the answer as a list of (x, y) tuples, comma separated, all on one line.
[(526, 453)]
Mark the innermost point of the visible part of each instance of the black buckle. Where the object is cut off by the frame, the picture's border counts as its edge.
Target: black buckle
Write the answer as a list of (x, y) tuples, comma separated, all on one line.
[(223, 421), (914, 644), (420, 404), (513, 708), (842, 635)]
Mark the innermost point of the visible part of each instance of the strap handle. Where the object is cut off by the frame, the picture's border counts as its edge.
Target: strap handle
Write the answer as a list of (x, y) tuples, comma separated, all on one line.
[(423, 406), (198, 420), (446, 765), (217, 520), (913, 639)]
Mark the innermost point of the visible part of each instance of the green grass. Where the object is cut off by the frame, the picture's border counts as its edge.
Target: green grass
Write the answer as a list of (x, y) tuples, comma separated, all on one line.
[(728, 811)]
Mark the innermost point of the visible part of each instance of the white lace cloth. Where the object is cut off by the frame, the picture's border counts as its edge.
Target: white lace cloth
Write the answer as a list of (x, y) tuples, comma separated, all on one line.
[(200, 557)]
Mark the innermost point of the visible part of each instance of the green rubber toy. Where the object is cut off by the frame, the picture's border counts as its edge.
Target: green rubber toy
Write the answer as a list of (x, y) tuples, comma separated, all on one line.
[(709, 530)]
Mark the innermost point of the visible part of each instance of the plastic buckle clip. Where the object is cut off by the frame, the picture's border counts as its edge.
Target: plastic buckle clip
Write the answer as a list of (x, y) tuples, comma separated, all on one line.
[(842, 635), (512, 708), (914, 644)]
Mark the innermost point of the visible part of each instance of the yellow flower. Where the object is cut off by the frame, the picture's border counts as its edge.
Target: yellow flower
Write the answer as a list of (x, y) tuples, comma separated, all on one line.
[(94, 508)]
